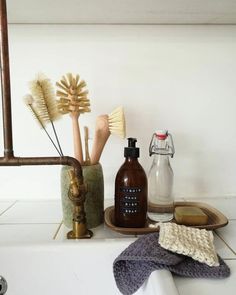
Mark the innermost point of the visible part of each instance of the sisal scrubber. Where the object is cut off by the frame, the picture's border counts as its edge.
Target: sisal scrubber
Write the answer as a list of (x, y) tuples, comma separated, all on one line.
[(193, 242)]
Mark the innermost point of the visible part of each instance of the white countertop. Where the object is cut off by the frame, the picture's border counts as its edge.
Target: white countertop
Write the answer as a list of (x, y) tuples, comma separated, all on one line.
[(40, 221)]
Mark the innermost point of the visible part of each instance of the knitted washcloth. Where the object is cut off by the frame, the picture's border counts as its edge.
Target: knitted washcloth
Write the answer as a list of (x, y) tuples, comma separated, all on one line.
[(193, 242), (133, 266)]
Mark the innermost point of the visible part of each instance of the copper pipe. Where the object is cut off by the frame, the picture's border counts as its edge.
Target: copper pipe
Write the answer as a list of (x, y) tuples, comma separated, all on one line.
[(9, 159), (5, 79), (27, 161)]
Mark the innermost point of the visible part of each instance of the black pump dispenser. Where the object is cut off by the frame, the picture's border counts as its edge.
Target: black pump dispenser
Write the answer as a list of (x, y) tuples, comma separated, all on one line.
[(131, 190), (131, 151)]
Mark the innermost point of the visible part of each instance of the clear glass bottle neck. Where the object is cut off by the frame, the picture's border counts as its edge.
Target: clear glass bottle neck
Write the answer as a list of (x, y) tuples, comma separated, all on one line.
[(161, 159)]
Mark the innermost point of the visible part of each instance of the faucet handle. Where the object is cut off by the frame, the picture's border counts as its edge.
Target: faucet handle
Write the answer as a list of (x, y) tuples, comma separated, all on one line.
[(77, 191)]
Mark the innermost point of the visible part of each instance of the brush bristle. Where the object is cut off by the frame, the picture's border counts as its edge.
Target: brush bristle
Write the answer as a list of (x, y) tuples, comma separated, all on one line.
[(71, 95), (45, 99), (29, 101), (116, 120)]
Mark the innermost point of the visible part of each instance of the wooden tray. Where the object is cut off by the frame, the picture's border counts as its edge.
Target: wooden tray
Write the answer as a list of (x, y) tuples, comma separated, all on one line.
[(215, 220)]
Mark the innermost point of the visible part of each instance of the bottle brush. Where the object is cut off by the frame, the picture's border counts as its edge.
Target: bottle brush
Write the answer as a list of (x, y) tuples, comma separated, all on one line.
[(42, 104)]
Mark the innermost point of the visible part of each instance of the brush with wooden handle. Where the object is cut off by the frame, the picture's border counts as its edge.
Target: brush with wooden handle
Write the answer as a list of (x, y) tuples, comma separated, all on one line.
[(114, 123), (73, 100)]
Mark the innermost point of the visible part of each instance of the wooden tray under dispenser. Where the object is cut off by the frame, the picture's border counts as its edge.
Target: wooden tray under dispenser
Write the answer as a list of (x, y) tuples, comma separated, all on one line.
[(215, 220)]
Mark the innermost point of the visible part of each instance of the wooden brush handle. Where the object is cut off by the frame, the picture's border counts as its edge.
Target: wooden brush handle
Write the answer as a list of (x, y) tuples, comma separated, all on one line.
[(86, 137), (102, 134), (78, 151)]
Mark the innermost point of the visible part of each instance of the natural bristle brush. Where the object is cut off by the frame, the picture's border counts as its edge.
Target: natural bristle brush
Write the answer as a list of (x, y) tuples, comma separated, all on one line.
[(44, 96), (114, 123), (42, 104), (73, 99), (72, 96)]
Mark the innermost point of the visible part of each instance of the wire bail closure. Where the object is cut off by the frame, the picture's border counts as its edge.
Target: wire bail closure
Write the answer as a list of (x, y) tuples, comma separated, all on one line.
[(155, 148)]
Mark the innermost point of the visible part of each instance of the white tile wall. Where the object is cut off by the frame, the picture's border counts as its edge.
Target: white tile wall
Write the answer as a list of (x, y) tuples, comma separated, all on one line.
[(5, 205), (26, 233), (33, 212), (177, 77), (221, 248), (228, 234)]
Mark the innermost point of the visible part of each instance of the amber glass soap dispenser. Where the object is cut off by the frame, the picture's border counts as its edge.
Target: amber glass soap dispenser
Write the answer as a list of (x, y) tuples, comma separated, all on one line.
[(131, 190)]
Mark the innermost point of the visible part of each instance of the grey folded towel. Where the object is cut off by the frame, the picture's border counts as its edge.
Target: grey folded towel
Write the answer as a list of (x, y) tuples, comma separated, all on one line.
[(134, 265)]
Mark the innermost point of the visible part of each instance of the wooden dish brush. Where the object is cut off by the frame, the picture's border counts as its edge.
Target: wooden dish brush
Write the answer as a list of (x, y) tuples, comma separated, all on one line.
[(114, 123), (73, 99)]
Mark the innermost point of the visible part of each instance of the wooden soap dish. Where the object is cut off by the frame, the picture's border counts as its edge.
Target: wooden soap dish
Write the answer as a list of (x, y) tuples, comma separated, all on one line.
[(215, 220)]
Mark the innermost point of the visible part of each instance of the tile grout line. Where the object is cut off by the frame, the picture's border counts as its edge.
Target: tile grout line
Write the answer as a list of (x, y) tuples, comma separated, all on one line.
[(27, 223), (225, 242), (57, 231), (8, 208), (39, 201)]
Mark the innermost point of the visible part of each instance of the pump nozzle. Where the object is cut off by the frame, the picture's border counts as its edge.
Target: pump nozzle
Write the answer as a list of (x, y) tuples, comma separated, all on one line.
[(131, 151), (132, 142)]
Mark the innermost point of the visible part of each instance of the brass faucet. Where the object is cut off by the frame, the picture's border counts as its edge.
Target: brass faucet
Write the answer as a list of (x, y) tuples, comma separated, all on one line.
[(77, 189), (77, 196)]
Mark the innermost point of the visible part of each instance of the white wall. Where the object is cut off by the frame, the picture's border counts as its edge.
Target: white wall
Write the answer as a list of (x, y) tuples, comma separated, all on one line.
[(182, 78)]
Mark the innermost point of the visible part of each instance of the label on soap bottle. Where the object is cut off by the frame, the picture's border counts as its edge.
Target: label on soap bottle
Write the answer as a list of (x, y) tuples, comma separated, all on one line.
[(130, 200)]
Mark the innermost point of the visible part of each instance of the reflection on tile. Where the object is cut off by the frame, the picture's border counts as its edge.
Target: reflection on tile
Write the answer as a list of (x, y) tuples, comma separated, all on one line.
[(100, 232), (195, 286), (5, 205), (33, 212), (26, 233), (222, 249), (228, 234)]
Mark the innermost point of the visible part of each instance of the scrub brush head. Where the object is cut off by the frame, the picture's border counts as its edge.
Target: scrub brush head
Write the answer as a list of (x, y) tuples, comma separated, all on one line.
[(44, 98), (116, 121), (72, 95)]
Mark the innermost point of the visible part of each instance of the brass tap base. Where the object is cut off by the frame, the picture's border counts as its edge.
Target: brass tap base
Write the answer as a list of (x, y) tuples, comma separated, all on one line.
[(71, 235)]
